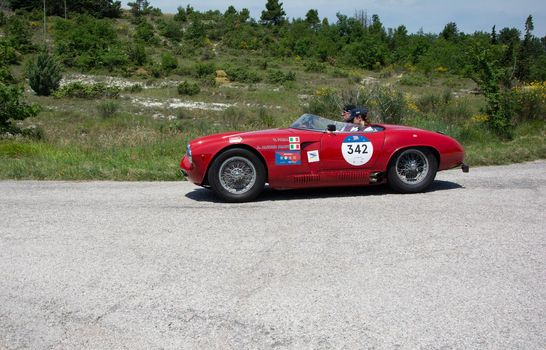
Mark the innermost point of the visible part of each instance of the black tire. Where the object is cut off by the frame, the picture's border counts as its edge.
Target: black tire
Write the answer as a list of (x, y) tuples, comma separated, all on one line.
[(237, 175), (412, 170)]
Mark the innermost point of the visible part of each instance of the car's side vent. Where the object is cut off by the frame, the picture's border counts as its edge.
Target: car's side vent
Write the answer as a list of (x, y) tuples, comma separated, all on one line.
[(353, 175), (304, 179)]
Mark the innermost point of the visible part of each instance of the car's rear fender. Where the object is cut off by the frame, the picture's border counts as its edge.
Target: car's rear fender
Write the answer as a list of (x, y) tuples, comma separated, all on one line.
[(422, 147), (241, 146)]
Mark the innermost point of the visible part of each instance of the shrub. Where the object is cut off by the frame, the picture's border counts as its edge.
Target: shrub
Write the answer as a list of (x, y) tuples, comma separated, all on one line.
[(44, 74), (325, 103), (279, 77), (233, 118), (145, 32), (171, 29), (529, 101), (456, 111), (209, 80), (265, 119), (5, 75), (90, 91), (12, 106), (114, 58), (204, 69), (137, 54), (243, 75), (313, 66), (434, 103), (168, 62), (413, 79), (388, 103), (18, 34), (7, 54), (108, 108), (134, 88), (188, 88), (33, 132)]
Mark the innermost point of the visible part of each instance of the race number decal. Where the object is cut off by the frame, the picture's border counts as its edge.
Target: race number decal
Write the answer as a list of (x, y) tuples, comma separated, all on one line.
[(357, 150)]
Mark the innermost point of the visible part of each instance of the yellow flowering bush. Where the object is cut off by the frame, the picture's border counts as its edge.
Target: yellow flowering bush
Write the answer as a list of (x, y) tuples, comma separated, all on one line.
[(479, 118), (411, 105), (529, 101), (324, 91)]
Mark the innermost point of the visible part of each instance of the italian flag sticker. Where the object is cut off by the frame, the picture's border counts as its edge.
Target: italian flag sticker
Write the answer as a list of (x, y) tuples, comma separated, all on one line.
[(294, 139), (294, 146)]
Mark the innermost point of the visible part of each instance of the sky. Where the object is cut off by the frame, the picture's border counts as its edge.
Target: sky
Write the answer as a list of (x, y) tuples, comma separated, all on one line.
[(429, 15)]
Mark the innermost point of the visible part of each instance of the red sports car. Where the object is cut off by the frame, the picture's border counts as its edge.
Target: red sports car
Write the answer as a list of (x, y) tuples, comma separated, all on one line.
[(318, 152)]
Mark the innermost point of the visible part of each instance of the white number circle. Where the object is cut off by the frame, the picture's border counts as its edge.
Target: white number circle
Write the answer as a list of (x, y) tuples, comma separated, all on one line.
[(357, 150)]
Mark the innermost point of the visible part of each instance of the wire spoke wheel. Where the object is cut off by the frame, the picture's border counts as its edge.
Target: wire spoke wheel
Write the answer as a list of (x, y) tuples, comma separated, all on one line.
[(237, 175), (412, 166), (412, 170)]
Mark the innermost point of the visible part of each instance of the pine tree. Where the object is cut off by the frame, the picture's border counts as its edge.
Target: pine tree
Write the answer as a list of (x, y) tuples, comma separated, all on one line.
[(44, 74), (274, 13), (525, 52)]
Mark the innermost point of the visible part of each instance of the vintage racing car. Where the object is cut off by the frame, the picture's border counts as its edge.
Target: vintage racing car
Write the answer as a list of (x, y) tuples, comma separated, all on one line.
[(318, 152)]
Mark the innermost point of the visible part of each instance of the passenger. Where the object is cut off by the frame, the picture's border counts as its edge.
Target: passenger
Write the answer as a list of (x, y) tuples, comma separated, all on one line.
[(359, 116)]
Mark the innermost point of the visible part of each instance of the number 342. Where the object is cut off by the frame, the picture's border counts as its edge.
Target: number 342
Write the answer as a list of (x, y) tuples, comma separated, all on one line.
[(360, 149)]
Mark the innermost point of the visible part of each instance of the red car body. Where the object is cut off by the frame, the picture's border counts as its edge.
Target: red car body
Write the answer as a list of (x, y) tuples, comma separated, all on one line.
[(308, 155)]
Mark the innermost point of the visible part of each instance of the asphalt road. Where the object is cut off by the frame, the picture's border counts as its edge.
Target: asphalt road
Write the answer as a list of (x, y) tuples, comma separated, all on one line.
[(110, 265)]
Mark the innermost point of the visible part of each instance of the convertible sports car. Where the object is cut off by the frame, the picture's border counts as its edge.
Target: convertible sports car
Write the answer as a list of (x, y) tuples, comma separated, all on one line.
[(317, 152)]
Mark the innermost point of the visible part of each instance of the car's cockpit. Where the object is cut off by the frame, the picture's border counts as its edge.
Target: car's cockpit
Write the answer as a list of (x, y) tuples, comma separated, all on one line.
[(313, 122)]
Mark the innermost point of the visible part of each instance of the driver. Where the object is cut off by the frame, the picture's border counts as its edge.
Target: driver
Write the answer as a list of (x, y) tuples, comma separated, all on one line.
[(346, 112), (358, 118)]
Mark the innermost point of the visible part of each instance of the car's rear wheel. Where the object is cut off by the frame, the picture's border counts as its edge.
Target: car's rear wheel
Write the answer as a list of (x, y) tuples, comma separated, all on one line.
[(412, 170), (237, 175)]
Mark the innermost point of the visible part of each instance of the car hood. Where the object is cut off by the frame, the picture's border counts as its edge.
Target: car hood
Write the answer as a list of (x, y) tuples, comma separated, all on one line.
[(243, 134)]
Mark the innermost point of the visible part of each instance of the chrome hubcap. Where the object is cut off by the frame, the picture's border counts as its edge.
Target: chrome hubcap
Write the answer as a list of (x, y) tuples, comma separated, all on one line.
[(237, 175), (412, 166)]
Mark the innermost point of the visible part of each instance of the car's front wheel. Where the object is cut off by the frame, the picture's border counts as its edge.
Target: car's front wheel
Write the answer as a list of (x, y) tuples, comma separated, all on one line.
[(237, 175), (412, 170)]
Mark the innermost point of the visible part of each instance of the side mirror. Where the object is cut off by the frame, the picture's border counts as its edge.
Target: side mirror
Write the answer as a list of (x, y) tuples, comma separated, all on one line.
[(331, 127)]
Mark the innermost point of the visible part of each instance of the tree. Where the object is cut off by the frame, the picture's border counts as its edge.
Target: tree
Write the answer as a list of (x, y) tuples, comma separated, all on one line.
[(494, 39), (44, 74), (312, 19), (180, 15), (526, 51), (231, 11), (274, 13), (244, 15), (450, 31), (376, 28), (142, 7)]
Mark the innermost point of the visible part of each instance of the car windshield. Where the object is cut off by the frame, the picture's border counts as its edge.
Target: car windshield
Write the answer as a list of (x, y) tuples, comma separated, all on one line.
[(316, 123)]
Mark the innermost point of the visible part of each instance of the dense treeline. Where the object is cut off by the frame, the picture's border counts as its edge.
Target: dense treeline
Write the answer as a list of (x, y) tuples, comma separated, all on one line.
[(358, 41)]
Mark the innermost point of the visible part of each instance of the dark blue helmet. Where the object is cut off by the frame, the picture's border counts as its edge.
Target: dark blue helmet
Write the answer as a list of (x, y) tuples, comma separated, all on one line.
[(358, 111)]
